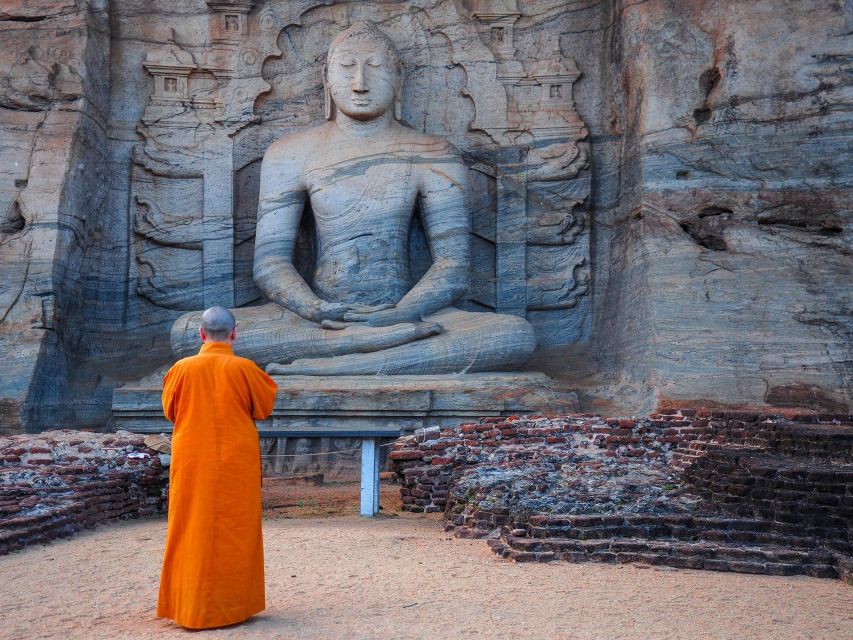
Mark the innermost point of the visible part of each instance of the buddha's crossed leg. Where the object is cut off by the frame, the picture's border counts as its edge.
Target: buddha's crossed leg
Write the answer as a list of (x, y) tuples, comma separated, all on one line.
[(469, 342), (270, 333)]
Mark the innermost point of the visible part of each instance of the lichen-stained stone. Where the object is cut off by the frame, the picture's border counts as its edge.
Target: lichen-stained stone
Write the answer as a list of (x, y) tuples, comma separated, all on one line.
[(725, 249)]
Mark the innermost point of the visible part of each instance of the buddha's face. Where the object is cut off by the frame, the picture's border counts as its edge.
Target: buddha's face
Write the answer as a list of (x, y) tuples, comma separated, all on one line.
[(362, 78)]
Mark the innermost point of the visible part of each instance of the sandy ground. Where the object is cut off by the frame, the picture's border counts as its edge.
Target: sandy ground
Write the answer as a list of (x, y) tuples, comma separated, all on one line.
[(402, 577), (329, 499)]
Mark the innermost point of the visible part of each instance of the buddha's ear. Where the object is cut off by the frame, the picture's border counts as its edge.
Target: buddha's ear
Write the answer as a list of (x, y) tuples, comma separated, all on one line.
[(328, 103)]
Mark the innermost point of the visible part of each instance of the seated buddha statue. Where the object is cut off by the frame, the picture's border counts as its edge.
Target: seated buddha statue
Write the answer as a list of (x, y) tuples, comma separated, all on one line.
[(364, 174)]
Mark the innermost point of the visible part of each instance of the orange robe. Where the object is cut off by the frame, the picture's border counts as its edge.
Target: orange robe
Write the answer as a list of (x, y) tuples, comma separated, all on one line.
[(213, 567)]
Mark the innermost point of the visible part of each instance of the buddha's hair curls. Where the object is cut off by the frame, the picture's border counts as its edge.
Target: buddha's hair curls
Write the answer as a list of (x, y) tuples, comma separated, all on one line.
[(366, 30)]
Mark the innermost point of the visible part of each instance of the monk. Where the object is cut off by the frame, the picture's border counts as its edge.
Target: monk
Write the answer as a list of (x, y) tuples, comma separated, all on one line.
[(213, 567)]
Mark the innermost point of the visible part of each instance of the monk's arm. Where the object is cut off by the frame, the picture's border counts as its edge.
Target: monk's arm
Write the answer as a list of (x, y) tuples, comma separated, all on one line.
[(262, 390), (171, 393), (280, 204)]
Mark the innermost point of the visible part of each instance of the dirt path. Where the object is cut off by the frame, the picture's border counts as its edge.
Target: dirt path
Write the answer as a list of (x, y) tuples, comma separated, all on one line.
[(402, 577)]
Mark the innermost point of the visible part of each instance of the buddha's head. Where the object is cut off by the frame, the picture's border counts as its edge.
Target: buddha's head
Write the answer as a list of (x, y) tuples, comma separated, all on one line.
[(362, 73)]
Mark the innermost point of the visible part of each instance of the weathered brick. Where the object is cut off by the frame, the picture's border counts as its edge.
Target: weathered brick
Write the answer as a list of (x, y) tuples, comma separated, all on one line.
[(405, 455)]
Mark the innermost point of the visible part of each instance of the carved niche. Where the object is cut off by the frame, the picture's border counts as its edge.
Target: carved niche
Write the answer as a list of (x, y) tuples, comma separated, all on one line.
[(510, 112)]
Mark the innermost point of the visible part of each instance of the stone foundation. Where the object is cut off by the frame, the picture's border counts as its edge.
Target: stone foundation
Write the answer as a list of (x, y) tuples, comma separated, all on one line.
[(317, 423), (355, 406), (736, 491)]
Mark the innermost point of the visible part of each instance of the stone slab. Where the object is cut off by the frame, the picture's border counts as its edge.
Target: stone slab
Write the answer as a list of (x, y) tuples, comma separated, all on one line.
[(368, 406)]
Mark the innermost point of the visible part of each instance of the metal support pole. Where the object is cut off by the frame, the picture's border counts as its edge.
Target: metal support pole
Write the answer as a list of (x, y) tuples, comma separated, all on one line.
[(369, 477)]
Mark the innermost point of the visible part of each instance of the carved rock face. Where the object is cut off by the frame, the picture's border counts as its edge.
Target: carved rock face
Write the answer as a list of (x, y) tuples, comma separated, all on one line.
[(697, 240), (362, 78)]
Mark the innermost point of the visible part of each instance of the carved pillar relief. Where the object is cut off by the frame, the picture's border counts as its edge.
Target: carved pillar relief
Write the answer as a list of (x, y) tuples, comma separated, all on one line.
[(201, 97), (541, 163), (229, 24)]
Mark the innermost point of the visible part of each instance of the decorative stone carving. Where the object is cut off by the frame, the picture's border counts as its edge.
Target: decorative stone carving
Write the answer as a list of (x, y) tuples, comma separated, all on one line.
[(555, 280), (363, 173), (230, 24), (482, 83), (188, 133), (496, 19), (552, 112), (540, 138), (171, 67), (164, 228)]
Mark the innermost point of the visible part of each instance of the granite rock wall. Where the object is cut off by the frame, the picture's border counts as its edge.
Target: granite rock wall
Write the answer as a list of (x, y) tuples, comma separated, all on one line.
[(689, 245), (723, 208), (54, 84)]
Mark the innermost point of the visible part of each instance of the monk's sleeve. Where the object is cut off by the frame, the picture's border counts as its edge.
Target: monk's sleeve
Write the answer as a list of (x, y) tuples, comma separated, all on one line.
[(171, 394), (262, 389)]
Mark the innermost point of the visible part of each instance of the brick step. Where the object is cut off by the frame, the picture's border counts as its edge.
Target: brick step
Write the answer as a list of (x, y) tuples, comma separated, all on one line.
[(767, 559), (804, 515), (745, 531), (712, 536), (761, 463), (833, 441), (680, 520), (752, 483), (818, 441)]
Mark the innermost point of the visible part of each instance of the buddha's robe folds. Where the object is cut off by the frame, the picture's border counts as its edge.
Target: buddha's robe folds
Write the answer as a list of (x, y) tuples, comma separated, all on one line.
[(213, 567)]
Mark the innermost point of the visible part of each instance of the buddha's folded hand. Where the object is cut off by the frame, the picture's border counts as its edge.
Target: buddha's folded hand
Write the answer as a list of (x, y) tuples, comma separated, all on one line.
[(384, 317)]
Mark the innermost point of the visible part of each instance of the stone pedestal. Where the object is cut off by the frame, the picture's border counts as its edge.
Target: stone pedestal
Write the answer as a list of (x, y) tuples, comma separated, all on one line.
[(369, 406)]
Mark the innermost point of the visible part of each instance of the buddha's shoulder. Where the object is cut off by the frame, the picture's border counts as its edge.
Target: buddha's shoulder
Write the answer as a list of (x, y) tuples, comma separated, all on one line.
[(425, 143), (297, 144)]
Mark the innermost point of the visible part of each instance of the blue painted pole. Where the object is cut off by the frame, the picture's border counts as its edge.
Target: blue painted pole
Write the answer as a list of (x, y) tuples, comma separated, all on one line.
[(369, 477)]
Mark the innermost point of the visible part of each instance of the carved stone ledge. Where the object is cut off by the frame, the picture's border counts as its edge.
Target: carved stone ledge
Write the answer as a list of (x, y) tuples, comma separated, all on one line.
[(235, 6), (392, 405)]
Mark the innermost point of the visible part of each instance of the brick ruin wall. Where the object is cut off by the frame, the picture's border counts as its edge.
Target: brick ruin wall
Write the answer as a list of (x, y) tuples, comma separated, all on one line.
[(57, 483), (734, 491), (685, 488), (427, 462)]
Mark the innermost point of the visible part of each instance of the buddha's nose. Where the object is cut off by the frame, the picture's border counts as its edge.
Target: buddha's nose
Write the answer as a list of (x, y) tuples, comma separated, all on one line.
[(358, 85)]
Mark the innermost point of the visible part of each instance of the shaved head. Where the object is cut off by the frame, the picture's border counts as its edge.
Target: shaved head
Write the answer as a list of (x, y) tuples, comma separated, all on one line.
[(217, 323)]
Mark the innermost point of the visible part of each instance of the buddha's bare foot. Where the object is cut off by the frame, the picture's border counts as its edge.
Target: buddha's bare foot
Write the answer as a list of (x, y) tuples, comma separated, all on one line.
[(360, 339)]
